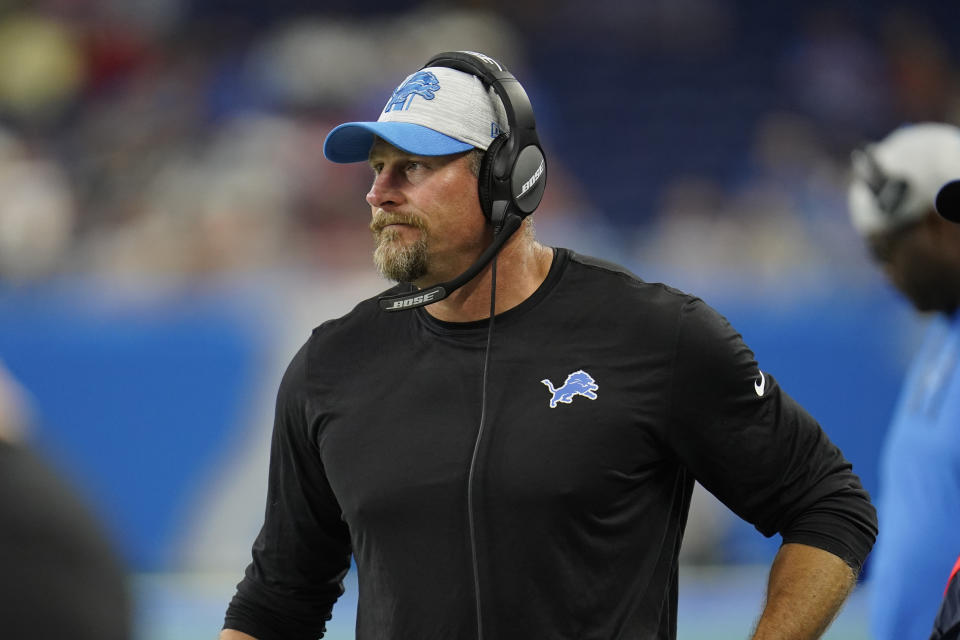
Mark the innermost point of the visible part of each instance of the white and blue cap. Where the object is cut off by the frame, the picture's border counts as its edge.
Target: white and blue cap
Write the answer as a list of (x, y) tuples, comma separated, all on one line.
[(896, 180), (436, 111)]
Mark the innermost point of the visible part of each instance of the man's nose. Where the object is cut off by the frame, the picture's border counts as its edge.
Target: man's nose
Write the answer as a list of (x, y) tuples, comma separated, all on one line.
[(384, 190)]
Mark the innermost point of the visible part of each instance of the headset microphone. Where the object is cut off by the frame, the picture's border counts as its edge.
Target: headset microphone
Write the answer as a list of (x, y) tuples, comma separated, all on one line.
[(512, 177), (403, 301), (948, 201)]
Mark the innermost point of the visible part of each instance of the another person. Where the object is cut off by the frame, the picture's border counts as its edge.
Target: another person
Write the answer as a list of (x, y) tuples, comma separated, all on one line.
[(60, 576), (947, 624), (525, 475), (892, 191)]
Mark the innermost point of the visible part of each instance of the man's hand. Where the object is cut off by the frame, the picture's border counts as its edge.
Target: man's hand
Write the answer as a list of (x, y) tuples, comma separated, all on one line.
[(807, 587)]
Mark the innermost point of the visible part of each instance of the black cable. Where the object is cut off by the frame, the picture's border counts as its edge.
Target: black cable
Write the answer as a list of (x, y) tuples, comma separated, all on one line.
[(476, 450)]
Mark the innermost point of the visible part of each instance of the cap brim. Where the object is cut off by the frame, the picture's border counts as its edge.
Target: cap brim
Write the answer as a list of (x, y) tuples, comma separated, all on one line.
[(351, 142)]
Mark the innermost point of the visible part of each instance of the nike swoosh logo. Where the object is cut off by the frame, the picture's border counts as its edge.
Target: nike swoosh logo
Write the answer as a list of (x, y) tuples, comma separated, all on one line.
[(760, 385)]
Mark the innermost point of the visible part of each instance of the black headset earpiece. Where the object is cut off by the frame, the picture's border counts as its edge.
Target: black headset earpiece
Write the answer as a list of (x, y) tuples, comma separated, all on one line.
[(514, 170), (485, 179)]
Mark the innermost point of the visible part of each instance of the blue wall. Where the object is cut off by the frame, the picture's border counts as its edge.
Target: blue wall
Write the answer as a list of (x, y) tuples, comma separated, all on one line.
[(132, 401), (137, 400)]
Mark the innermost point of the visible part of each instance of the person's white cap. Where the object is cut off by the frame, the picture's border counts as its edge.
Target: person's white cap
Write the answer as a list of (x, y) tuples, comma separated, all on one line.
[(435, 111), (896, 180)]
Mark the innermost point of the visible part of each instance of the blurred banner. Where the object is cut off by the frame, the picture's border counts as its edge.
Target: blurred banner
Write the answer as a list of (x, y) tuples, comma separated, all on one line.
[(161, 408)]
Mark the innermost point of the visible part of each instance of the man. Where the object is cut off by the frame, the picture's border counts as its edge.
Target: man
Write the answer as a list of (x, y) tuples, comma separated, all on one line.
[(891, 200), (530, 480)]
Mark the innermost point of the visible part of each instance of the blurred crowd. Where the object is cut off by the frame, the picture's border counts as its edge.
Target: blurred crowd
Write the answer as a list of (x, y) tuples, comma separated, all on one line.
[(170, 141), (839, 79)]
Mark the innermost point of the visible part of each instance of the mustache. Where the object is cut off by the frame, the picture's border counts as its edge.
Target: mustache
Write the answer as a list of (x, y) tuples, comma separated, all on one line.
[(381, 219)]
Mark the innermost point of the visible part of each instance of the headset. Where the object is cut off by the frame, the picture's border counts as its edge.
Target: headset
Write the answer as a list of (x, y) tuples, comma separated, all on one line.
[(513, 174), (948, 201)]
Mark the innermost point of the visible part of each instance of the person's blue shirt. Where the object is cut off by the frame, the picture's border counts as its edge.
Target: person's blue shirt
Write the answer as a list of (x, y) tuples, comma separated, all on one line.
[(919, 502)]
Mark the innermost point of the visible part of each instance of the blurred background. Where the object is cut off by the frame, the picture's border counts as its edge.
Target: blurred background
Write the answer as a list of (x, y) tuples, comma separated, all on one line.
[(170, 231)]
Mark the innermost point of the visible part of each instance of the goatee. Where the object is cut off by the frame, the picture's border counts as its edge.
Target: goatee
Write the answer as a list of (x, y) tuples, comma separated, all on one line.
[(393, 259)]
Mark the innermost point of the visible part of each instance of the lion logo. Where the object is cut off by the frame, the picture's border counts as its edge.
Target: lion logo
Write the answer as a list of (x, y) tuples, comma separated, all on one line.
[(422, 83), (578, 383)]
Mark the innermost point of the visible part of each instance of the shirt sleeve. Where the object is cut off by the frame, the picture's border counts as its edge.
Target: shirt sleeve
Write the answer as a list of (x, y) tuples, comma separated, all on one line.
[(946, 626), (756, 449), (302, 553)]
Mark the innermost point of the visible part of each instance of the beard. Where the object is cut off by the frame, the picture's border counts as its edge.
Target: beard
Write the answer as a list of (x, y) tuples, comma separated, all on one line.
[(394, 260)]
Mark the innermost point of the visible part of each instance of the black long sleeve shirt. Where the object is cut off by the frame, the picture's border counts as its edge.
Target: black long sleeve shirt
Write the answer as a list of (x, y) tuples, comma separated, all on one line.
[(607, 397)]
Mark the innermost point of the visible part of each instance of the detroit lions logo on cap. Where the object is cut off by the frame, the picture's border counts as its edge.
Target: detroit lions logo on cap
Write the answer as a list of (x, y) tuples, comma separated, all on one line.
[(422, 83)]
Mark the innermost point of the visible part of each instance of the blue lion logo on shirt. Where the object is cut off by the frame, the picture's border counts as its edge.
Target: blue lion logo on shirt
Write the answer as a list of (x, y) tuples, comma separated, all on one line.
[(422, 83), (578, 383)]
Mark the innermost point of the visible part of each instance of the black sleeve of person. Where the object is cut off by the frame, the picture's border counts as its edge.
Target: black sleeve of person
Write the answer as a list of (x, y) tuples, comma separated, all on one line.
[(61, 577), (302, 553), (947, 624), (758, 450)]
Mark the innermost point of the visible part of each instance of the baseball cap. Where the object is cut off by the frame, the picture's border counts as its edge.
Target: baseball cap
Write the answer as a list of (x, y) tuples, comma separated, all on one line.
[(896, 180), (435, 111)]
